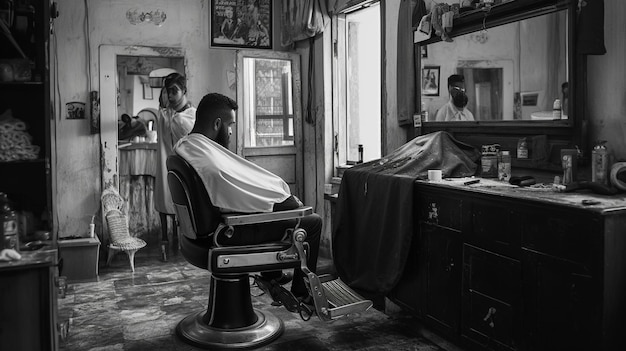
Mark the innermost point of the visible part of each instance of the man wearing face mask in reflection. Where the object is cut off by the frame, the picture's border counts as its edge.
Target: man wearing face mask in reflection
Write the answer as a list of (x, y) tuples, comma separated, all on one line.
[(455, 109)]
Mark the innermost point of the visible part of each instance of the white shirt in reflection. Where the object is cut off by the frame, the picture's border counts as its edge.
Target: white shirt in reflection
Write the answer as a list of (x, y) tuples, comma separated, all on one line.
[(449, 112)]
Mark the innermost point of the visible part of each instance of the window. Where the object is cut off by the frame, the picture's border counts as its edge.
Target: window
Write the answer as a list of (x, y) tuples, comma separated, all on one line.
[(357, 84), (268, 113)]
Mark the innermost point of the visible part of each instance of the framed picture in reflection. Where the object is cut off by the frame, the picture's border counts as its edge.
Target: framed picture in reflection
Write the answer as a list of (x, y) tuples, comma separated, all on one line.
[(430, 80)]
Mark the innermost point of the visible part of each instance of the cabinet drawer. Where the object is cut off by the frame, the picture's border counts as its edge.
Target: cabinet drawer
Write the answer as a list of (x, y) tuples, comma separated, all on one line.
[(440, 210), (490, 323), (495, 227), (568, 235), (491, 274), (491, 298)]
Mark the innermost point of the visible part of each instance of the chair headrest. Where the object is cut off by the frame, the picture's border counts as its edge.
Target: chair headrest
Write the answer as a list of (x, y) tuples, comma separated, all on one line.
[(188, 190)]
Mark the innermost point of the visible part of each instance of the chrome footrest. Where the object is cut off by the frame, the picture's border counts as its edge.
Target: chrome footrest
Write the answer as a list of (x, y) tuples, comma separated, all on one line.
[(336, 299)]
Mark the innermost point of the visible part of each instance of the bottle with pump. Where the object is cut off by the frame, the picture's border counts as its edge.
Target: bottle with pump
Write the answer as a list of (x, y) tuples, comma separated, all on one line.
[(600, 163)]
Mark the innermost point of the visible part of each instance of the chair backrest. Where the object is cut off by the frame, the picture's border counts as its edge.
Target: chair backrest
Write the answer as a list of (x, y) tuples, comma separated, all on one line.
[(197, 216)]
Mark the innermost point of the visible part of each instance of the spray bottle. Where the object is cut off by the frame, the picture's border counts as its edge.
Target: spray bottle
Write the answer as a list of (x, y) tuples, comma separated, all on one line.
[(600, 163)]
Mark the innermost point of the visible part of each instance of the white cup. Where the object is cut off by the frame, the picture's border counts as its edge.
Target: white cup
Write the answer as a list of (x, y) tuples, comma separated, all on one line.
[(434, 175)]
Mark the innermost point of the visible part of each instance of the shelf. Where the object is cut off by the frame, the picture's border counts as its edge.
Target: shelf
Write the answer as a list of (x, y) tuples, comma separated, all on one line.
[(22, 162), (14, 84)]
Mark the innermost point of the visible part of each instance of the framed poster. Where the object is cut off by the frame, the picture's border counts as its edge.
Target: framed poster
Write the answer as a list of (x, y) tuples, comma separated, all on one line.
[(241, 24), (430, 80)]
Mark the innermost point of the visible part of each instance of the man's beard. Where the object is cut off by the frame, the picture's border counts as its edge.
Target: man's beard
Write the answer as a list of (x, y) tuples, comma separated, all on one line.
[(223, 138), (459, 100)]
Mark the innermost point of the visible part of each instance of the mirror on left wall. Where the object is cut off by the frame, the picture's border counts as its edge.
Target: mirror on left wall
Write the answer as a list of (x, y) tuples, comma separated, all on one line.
[(130, 85)]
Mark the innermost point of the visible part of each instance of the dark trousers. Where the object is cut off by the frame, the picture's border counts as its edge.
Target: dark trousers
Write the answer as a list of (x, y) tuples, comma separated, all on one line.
[(274, 231)]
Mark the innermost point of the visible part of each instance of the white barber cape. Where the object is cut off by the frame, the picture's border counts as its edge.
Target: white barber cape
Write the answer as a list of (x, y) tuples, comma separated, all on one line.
[(233, 183)]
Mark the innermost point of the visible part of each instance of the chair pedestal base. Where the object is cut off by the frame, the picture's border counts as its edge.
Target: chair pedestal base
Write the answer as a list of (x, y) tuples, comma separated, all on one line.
[(195, 331)]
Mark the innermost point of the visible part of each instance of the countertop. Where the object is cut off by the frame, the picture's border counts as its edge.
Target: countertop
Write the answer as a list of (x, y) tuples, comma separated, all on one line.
[(543, 192), (30, 259)]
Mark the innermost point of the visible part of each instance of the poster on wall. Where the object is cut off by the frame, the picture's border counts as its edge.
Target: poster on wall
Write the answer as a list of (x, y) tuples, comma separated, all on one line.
[(430, 80), (241, 24)]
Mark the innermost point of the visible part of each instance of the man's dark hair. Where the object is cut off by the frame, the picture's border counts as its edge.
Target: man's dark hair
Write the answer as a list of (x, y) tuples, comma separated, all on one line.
[(213, 105), (455, 78), (175, 79)]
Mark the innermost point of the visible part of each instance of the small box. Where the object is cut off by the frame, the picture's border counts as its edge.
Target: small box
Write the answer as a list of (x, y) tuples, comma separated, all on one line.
[(80, 258)]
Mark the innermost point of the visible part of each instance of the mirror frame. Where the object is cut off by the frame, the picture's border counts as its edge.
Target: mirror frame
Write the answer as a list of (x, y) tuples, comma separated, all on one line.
[(108, 102), (560, 134)]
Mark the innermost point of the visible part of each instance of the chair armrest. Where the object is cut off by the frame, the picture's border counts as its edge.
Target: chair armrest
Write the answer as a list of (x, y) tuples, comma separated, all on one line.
[(264, 217)]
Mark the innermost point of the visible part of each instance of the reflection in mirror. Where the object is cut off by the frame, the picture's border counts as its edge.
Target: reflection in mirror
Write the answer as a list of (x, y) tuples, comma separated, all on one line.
[(513, 72), (138, 94), (268, 111), (127, 87)]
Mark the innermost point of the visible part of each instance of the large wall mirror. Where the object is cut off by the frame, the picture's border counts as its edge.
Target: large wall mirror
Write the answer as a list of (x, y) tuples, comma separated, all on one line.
[(512, 72), (516, 59), (131, 80)]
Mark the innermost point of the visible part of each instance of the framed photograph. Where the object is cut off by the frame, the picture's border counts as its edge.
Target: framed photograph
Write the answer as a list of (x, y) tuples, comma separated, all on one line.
[(430, 80), (424, 51), (147, 91), (241, 24)]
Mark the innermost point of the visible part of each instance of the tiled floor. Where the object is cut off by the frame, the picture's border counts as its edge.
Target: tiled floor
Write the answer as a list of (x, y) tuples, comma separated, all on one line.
[(139, 311)]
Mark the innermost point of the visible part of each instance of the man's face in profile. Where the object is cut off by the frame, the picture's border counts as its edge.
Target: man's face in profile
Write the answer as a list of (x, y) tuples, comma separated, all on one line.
[(226, 129)]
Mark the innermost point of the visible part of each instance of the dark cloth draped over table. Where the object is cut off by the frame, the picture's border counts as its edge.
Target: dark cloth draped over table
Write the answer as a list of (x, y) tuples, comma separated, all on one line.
[(373, 223)]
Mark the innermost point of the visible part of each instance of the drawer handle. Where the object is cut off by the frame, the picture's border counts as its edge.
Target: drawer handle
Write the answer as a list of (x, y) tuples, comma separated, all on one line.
[(489, 317)]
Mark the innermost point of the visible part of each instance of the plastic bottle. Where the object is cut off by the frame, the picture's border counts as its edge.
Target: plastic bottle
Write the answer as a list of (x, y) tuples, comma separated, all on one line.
[(504, 166), (599, 163), (8, 227), (556, 109), (424, 113)]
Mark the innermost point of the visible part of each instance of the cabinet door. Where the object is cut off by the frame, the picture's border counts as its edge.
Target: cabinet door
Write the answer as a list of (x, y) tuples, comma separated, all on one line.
[(442, 302), (491, 299), (560, 306)]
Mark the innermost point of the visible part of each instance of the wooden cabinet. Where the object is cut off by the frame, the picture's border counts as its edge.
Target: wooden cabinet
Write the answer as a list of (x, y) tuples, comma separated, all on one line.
[(501, 268), (25, 173), (28, 302)]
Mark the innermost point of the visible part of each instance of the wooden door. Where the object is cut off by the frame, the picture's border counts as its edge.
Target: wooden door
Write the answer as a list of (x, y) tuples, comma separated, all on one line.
[(269, 119)]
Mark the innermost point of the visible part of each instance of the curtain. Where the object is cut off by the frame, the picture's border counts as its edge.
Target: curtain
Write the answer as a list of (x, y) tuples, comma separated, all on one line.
[(302, 19)]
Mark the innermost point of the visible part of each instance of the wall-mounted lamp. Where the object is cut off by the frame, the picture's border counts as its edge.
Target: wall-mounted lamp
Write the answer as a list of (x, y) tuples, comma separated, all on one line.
[(156, 17)]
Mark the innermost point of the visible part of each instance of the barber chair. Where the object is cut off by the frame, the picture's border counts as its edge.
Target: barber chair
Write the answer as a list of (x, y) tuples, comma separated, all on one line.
[(230, 321)]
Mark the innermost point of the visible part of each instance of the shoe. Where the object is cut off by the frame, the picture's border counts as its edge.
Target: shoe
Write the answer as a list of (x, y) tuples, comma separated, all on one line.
[(285, 278), (280, 295), (306, 306)]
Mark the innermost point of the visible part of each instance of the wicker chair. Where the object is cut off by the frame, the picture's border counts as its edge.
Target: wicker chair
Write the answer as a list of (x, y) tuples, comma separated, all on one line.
[(119, 235)]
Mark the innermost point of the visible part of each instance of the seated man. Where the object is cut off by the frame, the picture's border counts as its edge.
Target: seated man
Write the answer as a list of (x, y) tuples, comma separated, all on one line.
[(455, 109), (235, 184)]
